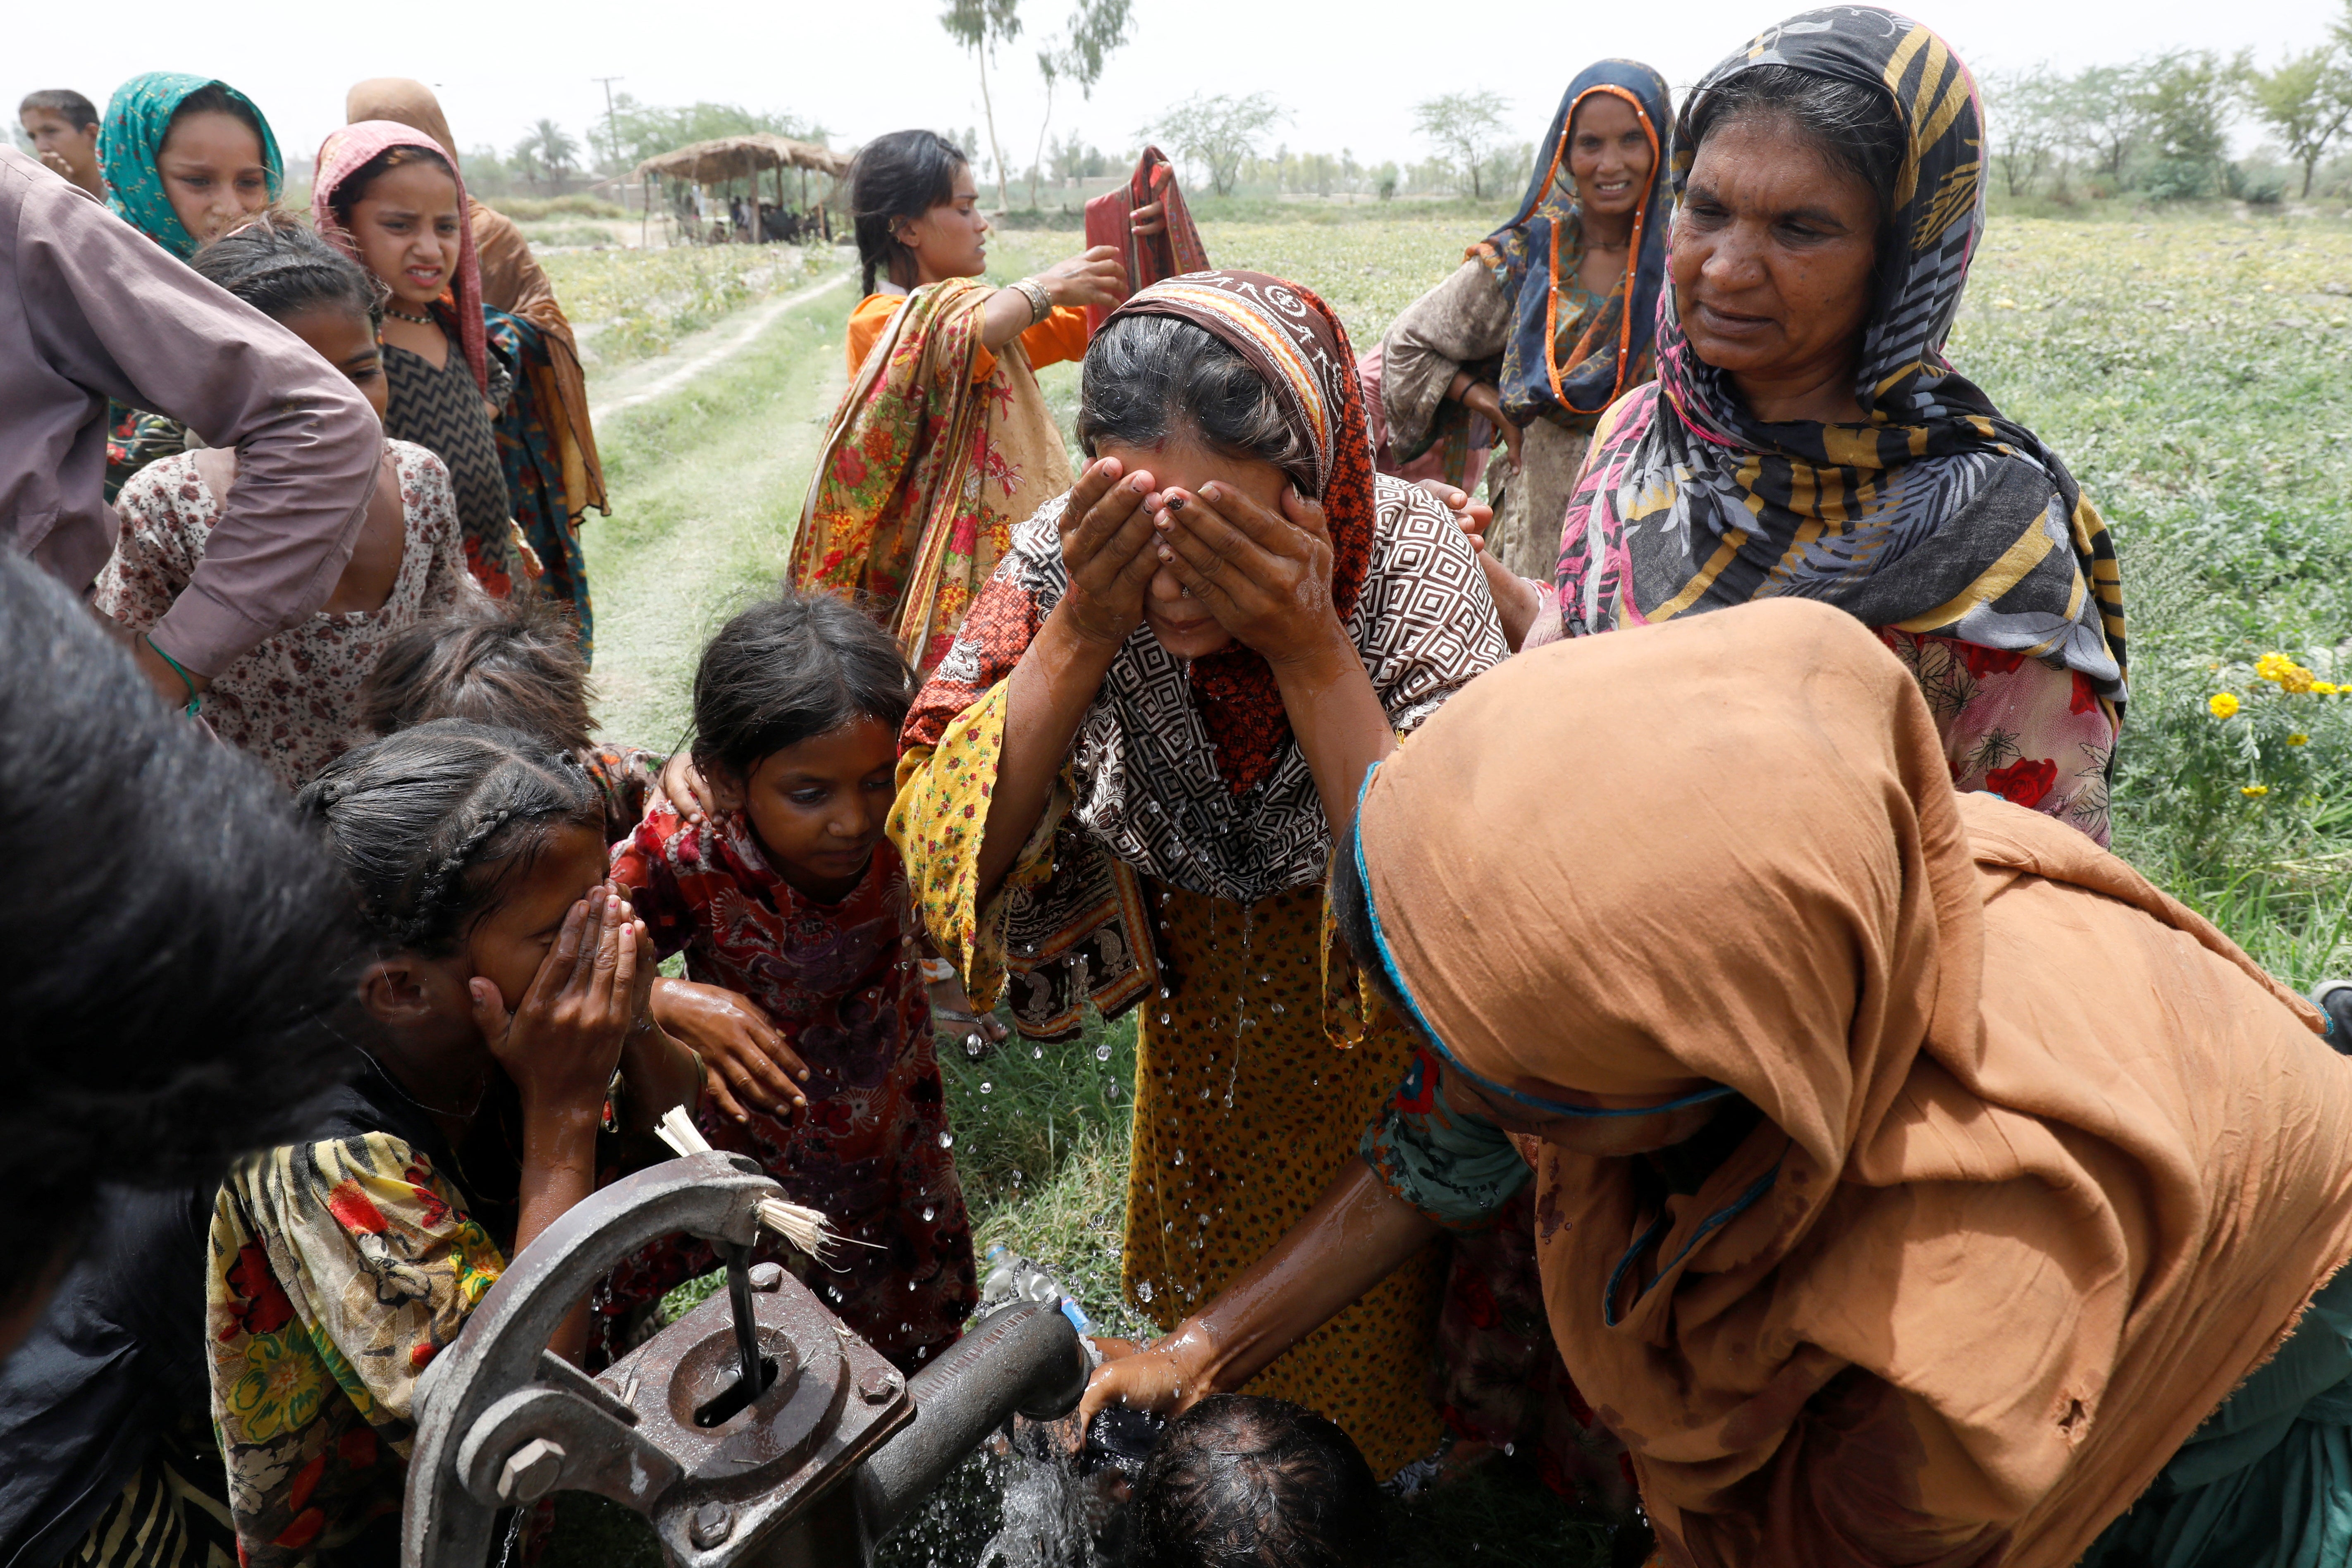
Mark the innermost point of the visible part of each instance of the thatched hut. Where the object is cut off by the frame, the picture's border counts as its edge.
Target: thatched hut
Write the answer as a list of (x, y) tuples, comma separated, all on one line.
[(724, 159)]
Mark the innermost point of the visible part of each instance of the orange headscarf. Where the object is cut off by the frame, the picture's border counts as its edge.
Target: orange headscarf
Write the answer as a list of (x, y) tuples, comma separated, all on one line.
[(2045, 1167)]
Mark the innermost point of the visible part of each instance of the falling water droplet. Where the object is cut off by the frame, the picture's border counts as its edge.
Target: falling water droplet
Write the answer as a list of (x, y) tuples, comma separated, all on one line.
[(1038, 1054), (1102, 1052), (1509, 1448), (1110, 1090), (1278, 1009), (973, 1046), (1179, 1159), (929, 1214), (1164, 1017), (946, 1139), (1143, 1291), (986, 1087)]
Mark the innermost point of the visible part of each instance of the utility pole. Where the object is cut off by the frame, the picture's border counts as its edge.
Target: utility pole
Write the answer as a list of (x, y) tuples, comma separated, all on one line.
[(612, 130)]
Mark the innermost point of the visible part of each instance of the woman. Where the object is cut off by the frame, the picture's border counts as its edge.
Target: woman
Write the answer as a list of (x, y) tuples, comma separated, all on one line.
[(391, 198), (1547, 321), (187, 159), (1805, 434), (942, 442), (549, 446), (1926, 1209), (1123, 778)]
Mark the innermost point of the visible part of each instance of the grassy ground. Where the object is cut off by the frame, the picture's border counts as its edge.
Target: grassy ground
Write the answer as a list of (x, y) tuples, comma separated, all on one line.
[(2189, 368)]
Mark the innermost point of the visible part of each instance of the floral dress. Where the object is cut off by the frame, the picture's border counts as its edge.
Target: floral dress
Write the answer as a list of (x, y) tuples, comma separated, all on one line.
[(840, 982), (338, 1269), (292, 702)]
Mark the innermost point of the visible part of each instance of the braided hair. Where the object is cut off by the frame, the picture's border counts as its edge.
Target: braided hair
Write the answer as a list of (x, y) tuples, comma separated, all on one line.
[(901, 176), (431, 824), (279, 266)]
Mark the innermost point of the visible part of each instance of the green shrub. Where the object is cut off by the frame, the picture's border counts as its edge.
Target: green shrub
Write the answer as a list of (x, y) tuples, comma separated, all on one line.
[(534, 209)]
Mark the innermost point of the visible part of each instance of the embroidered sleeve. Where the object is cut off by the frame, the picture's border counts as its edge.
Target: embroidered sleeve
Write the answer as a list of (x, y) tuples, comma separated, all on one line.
[(1457, 1168), (167, 513), (2015, 727), (338, 1271), (938, 823)]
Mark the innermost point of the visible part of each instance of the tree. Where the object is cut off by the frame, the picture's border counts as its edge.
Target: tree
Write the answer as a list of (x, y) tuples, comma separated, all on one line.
[(1464, 125), (2109, 119), (2308, 99), (980, 26), (1217, 132), (1097, 28), (2027, 115), (643, 130), (2186, 96), (552, 150)]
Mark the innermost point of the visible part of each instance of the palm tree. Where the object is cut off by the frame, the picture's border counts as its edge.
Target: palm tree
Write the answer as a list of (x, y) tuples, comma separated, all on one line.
[(553, 151)]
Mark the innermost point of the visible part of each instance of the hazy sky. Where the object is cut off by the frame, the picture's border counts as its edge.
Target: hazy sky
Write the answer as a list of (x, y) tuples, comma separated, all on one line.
[(863, 67)]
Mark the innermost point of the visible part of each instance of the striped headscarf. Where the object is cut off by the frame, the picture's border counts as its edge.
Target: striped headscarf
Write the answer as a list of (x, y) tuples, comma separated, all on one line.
[(1936, 514), (138, 118)]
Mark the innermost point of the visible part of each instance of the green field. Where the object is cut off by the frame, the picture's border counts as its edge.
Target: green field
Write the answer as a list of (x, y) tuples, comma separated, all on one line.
[(2189, 368)]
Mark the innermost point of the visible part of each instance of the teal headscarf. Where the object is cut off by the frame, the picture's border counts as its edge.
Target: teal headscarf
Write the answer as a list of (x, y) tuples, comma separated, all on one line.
[(137, 118)]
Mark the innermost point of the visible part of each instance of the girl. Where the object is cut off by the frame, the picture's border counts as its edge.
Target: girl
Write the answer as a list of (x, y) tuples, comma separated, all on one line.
[(186, 159), (292, 702), (391, 200), (340, 1266), (943, 441), (790, 894)]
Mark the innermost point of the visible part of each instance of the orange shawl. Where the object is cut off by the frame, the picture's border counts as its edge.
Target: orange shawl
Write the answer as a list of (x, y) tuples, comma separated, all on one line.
[(512, 281), (2046, 1164)]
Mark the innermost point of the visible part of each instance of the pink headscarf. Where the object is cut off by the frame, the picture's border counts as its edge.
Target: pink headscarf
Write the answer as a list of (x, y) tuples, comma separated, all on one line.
[(340, 157)]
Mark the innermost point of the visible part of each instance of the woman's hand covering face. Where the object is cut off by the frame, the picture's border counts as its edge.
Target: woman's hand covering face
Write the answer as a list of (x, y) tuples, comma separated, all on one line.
[(1105, 549), (1264, 572)]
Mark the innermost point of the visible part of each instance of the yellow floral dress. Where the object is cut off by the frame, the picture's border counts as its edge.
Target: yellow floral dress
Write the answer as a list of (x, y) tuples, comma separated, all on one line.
[(1248, 1098), (338, 1270)]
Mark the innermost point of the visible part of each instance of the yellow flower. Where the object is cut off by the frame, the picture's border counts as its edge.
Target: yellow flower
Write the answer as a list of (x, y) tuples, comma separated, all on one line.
[(2255, 792), (2288, 675), (2298, 740), (2222, 704), (2326, 688)]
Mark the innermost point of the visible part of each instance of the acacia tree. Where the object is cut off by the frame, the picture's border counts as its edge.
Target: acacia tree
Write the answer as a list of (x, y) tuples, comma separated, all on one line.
[(1218, 133), (2107, 115), (1464, 125), (2026, 115), (1098, 29), (980, 26), (2308, 99)]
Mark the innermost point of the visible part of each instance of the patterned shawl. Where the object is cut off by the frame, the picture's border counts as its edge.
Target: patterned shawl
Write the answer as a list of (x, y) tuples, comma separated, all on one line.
[(925, 470), (1175, 249), (138, 118), (1546, 241), (1191, 774), (2039, 1164), (1935, 515), (340, 156)]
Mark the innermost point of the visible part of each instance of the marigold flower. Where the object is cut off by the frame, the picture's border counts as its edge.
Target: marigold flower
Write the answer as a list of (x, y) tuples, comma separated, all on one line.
[(2255, 792), (2326, 688), (2298, 740), (2282, 671), (2222, 704)]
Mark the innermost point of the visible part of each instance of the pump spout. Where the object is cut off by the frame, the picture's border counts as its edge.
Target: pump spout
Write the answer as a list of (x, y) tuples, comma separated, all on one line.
[(1025, 1358)]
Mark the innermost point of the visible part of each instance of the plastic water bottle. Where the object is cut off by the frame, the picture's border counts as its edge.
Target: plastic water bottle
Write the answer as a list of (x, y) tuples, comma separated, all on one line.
[(1011, 1278)]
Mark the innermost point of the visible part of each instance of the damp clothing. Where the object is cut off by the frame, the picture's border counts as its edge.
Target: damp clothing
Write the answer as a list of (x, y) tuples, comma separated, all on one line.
[(107, 315), (1516, 314), (1178, 868), (2013, 1168), (337, 1270), (840, 982), (291, 703), (937, 449)]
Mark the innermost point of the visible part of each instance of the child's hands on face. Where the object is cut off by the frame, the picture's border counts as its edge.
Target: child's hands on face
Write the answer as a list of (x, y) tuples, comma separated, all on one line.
[(562, 1044), (748, 1062)]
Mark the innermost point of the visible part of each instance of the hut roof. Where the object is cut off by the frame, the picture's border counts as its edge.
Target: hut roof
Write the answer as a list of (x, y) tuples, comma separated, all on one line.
[(739, 157)]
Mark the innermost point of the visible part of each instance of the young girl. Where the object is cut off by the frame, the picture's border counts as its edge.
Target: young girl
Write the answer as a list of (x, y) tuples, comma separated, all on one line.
[(341, 1266), (391, 199), (790, 894), (292, 702)]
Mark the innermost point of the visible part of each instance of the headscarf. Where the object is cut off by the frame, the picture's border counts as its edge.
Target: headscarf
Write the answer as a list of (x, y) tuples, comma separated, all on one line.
[(138, 119), (1191, 773), (2044, 1165), (1176, 250), (1938, 515), (404, 102), (342, 155), (1543, 377)]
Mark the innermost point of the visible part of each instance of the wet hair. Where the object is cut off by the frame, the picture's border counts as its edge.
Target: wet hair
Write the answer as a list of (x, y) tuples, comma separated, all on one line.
[(181, 963), (513, 663), (279, 266), (432, 824), (1152, 378), (902, 175), (1239, 1480), (213, 98), (788, 669), (1856, 129), (63, 101), (354, 187)]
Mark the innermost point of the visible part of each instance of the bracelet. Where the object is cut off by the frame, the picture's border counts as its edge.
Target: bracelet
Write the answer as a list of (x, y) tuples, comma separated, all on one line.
[(1041, 304), (195, 697)]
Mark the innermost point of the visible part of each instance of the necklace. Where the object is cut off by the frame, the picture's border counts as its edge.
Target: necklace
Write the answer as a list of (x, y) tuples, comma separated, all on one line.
[(424, 321), (400, 1089)]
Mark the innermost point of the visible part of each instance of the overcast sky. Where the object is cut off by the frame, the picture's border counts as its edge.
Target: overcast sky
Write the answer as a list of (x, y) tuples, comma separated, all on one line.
[(863, 67)]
